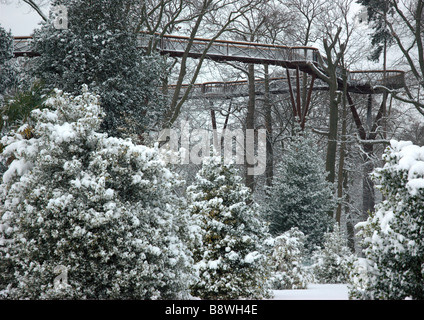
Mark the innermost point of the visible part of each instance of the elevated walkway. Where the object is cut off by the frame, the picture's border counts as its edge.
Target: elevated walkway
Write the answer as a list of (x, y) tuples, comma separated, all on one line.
[(305, 59), (299, 57)]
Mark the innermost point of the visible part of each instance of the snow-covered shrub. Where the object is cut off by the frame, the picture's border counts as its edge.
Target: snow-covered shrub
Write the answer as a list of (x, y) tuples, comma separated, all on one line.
[(332, 262), (99, 209), (358, 279), (287, 261), (231, 260), (393, 236), (300, 196)]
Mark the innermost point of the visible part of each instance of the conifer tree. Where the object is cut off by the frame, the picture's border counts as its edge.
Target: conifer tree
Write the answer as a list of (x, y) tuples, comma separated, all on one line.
[(8, 72), (377, 11), (300, 196), (98, 208), (99, 48), (231, 259)]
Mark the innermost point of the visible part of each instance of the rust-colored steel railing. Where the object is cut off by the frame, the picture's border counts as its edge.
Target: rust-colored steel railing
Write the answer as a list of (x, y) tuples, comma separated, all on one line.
[(230, 50), (392, 78), (23, 46)]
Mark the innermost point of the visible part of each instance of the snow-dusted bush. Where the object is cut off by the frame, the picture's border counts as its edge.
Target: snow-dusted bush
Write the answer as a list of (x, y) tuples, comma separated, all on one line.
[(300, 196), (230, 260), (287, 261), (393, 241), (332, 262), (97, 209)]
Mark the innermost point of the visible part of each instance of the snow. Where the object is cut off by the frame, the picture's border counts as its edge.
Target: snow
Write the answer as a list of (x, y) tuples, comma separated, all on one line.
[(411, 159), (314, 292), (414, 185)]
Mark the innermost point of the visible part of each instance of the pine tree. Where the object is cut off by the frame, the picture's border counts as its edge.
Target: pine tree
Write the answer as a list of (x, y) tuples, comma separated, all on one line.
[(100, 208), (393, 235), (99, 48), (378, 11), (331, 263), (301, 197), (230, 260)]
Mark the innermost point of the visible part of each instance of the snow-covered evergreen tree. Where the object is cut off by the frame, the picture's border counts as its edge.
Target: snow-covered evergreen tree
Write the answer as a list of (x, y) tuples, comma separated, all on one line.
[(393, 239), (287, 261), (100, 208), (332, 262), (231, 259), (8, 72), (300, 196), (99, 48)]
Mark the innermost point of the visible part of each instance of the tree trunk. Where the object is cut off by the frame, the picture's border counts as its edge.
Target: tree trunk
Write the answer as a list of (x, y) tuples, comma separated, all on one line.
[(250, 124), (342, 152), (350, 224), (368, 195), (269, 171), (330, 164)]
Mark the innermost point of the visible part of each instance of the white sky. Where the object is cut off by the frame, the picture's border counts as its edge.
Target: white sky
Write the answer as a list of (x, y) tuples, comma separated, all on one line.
[(19, 18)]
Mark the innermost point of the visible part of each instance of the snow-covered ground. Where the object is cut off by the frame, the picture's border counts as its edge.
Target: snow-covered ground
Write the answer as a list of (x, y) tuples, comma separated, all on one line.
[(314, 292)]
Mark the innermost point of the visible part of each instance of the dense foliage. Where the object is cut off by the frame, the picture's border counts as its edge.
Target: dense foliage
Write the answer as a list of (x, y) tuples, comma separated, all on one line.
[(8, 71), (332, 262), (393, 240), (99, 48)]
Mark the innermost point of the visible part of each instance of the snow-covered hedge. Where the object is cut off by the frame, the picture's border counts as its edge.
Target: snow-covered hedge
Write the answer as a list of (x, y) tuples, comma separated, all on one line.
[(393, 236), (95, 212)]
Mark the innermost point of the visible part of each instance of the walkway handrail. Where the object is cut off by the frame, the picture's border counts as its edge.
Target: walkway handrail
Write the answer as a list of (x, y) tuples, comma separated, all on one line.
[(22, 46)]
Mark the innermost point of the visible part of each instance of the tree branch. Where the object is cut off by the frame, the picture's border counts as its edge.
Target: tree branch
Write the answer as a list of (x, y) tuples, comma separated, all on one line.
[(36, 8)]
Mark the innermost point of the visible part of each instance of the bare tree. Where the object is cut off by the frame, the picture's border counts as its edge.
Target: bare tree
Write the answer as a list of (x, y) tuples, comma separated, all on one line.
[(35, 5), (228, 12), (309, 11)]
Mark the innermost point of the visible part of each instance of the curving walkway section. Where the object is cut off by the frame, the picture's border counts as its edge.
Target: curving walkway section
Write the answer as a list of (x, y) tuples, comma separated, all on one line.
[(305, 59), (239, 88)]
